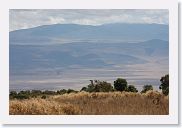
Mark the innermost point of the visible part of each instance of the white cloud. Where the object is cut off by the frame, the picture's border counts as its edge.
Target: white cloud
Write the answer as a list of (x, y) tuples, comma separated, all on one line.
[(55, 20), (20, 19)]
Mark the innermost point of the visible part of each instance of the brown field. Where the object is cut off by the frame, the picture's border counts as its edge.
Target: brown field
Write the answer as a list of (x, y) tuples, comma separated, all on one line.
[(83, 103)]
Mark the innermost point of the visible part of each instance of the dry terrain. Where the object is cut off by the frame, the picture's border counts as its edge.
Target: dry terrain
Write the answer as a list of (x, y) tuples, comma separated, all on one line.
[(83, 103)]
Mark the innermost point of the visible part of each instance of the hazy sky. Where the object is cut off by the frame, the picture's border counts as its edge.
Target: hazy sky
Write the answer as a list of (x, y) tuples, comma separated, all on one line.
[(21, 19)]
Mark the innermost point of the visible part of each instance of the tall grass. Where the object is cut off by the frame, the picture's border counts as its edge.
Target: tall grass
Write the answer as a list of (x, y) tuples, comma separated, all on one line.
[(83, 103)]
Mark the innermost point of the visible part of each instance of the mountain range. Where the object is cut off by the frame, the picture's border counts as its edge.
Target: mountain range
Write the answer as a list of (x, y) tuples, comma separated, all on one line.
[(72, 45), (66, 33)]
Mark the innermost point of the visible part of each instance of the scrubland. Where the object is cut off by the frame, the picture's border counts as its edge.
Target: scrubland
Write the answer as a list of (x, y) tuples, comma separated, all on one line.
[(95, 103)]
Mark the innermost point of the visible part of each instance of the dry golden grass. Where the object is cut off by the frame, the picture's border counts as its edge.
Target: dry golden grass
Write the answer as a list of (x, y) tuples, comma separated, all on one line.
[(83, 103)]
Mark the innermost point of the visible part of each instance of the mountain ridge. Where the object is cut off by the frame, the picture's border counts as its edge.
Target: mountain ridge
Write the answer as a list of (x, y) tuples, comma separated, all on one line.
[(59, 32)]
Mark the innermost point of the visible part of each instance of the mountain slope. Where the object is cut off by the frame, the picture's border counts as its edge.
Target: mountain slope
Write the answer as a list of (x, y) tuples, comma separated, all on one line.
[(61, 33), (89, 55)]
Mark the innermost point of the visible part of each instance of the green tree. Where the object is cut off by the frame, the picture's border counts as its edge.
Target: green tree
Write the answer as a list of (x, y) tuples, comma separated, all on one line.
[(147, 88), (84, 89), (120, 84), (90, 88), (98, 86), (131, 88), (165, 84), (103, 86)]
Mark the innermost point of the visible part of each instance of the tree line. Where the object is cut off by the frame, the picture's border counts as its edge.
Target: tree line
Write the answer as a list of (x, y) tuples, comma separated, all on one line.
[(120, 84)]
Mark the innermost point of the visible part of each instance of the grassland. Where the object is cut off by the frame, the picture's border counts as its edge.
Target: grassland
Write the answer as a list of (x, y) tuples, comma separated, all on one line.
[(100, 103)]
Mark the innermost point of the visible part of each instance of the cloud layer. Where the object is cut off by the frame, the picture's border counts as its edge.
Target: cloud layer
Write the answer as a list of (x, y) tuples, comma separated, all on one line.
[(22, 19)]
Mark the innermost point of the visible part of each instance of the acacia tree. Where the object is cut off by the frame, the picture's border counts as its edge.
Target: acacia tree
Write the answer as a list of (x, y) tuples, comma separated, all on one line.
[(165, 84), (147, 88), (120, 84)]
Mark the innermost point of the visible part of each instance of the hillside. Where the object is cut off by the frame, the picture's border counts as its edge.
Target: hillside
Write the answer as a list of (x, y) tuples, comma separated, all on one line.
[(90, 55)]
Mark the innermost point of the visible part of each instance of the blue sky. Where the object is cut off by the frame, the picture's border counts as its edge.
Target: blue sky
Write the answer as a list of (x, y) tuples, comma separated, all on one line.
[(22, 19)]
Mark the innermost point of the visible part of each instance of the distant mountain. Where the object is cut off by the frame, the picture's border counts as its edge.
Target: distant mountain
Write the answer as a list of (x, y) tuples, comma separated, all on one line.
[(65, 33), (86, 55), (71, 45), (68, 55)]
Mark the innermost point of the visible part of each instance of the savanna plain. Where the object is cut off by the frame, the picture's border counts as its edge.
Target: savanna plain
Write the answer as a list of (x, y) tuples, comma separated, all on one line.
[(94, 103)]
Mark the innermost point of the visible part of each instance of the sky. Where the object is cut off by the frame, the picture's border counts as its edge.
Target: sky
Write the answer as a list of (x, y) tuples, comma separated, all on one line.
[(23, 19)]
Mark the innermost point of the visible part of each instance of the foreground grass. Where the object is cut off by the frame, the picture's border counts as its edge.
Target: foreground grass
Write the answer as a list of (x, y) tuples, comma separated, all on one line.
[(83, 103)]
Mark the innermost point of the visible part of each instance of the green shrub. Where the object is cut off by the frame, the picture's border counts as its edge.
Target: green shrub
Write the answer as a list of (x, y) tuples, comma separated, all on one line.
[(70, 91), (49, 92), (33, 96), (147, 88), (13, 94), (131, 88), (36, 92), (60, 92), (43, 97), (21, 96), (120, 84)]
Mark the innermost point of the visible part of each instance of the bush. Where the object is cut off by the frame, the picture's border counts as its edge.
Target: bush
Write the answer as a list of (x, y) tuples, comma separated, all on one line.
[(33, 96), (49, 92), (70, 91), (164, 84), (61, 92), (120, 84), (43, 97), (131, 88), (147, 88), (27, 92), (13, 94), (21, 96), (36, 92)]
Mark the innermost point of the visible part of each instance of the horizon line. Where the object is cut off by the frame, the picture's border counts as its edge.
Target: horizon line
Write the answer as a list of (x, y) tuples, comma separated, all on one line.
[(86, 25)]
